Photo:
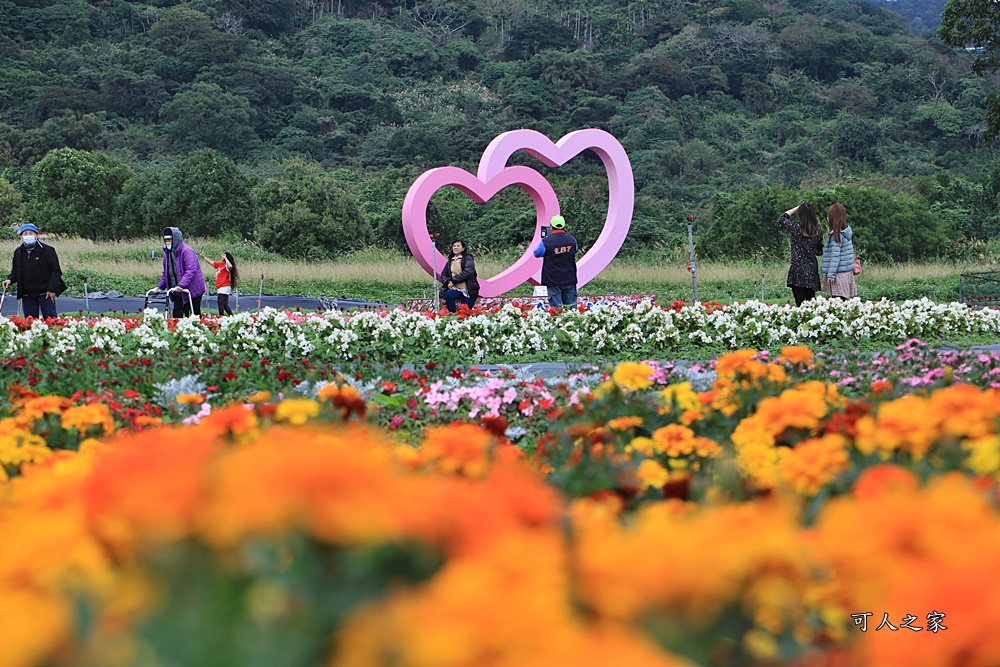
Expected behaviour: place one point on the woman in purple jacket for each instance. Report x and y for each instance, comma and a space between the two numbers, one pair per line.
181, 270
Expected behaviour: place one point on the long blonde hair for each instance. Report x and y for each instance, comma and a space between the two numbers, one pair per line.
837, 217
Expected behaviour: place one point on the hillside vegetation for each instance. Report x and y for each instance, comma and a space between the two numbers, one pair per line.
299, 124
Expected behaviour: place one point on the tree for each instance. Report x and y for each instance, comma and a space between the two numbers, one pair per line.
208, 116
976, 24
973, 23
205, 195
75, 192
307, 215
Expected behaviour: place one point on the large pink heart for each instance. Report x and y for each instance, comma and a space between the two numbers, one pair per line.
481, 190
621, 186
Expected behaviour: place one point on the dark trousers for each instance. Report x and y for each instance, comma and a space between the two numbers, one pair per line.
802, 294
453, 296
183, 309
224, 308
32, 304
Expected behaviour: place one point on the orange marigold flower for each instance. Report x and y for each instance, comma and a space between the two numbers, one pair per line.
458, 448
884, 478
36, 408
903, 424
259, 397
739, 362
674, 440
796, 354
964, 411
190, 399
296, 410
814, 463
344, 397
633, 376
625, 423
705, 448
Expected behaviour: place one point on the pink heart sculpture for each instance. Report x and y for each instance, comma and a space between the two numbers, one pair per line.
621, 185
480, 190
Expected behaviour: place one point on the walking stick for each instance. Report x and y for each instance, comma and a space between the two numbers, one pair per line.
2, 297
692, 266
260, 295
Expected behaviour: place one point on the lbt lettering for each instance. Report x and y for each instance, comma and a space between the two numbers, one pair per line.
561, 249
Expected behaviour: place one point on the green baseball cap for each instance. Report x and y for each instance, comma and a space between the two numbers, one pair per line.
558, 222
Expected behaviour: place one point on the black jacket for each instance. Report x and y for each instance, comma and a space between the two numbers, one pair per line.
36, 272
467, 276
559, 260
804, 270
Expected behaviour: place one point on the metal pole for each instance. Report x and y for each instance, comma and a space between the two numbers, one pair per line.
694, 268
86, 295
260, 294
434, 282
762, 287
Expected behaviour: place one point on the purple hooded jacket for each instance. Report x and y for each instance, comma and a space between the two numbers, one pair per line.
189, 275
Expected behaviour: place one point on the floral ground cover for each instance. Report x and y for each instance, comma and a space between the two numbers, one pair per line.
506, 334
764, 518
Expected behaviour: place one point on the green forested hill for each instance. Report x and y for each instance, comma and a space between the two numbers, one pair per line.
924, 15
266, 116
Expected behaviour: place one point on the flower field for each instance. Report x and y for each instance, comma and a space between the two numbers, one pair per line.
169, 499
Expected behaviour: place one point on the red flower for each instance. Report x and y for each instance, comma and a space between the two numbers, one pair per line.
388, 388
285, 375
229, 376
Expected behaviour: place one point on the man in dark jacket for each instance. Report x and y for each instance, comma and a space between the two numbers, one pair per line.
37, 274
558, 253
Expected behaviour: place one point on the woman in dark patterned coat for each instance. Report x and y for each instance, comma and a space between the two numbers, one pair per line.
807, 243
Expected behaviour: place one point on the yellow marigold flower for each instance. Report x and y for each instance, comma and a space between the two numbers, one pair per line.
984, 455
652, 474
22, 448
263, 397
190, 399
296, 410
643, 445
759, 463
83, 417
681, 395
812, 464
603, 389
796, 354
633, 376
752, 432
674, 440
761, 645
625, 423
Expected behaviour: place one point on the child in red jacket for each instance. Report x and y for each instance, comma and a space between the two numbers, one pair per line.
226, 275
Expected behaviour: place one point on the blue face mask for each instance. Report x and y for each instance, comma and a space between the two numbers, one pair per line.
29, 240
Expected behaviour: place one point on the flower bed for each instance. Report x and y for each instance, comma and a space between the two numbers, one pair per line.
505, 334
766, 518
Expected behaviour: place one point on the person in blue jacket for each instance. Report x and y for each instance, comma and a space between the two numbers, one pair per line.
558, 253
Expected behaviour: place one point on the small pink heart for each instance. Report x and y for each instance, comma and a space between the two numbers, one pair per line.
621, 185
481, 190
